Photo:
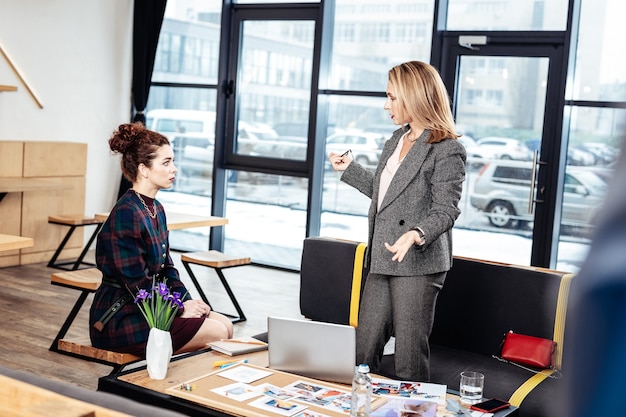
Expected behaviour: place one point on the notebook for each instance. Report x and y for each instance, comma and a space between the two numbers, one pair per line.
313, 349
239, 346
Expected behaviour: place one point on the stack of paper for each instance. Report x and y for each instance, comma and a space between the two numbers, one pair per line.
234, 347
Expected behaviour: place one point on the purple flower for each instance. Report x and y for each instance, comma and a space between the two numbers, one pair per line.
158, 306
162, 289
142, 295
176, 300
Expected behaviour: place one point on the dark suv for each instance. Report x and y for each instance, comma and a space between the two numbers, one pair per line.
502, 191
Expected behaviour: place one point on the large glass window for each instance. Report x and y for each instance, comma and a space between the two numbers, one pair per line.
182, 106
507, 15
267, 217
595, 136
368, 39
272, 73
595, 121
500, 112
273, 131
275, 1
359, 124
273, 88
599, 73
191, 133
188, 49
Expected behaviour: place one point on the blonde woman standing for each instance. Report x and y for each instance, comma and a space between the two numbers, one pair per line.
415, 192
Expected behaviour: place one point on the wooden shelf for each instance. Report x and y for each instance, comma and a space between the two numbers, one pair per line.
8, 88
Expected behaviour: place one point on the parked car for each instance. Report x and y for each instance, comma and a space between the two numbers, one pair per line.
471, 147
579, 157
605, 172
385, 129
604, 154
176, 122
575, 155
292, 129
502, 191
503, 148
250, 134
366, 147
192, 135
474, 157
255, 131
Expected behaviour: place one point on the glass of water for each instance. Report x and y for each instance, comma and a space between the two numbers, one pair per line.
471, 387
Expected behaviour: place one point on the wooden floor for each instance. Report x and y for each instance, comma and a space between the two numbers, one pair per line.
32, 311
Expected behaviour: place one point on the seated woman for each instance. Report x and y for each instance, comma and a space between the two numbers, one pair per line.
133, 247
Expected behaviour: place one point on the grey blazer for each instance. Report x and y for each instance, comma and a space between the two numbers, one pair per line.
424, 193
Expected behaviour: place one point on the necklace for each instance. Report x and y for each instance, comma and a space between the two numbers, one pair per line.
417, 136
152, 215
408, 139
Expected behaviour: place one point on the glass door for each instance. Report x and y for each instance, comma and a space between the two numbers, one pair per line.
502, 96
268, 132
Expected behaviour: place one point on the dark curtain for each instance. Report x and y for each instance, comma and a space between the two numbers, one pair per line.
147, 20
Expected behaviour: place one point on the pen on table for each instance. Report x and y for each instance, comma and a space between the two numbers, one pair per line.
226, 365
250, 342
220, 363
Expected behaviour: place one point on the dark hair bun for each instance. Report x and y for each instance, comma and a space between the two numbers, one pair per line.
126, 135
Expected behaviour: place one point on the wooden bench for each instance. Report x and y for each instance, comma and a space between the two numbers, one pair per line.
81, 348
86, 281
217, 261
73, 221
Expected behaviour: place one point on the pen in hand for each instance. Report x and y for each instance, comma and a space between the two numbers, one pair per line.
345, 153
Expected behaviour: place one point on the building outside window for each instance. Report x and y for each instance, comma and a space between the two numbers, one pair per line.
268, 213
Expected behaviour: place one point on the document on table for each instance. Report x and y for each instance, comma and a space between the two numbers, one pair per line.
245, 374
237, 391
406, 389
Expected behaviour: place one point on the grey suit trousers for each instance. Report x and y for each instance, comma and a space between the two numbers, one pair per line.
403, 307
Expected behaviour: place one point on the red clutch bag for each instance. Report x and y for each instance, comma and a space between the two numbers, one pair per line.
528, 350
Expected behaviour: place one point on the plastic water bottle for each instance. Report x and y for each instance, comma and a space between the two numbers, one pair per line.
361, 392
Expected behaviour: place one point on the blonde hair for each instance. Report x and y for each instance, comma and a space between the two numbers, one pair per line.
424, 99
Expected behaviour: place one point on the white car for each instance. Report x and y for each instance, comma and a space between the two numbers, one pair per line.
493, 147
177, 122
474, 157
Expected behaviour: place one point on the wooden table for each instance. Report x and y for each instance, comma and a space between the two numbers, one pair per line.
25, 400
136, 384
11, 242
19, 184
167, 393
178, 221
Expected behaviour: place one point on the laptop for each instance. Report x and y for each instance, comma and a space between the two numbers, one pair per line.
314, 349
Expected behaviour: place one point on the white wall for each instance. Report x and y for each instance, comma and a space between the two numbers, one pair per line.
76, 57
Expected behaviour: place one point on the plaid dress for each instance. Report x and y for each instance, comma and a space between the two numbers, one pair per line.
131, 248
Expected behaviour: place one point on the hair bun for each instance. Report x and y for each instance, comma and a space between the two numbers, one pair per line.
125, 136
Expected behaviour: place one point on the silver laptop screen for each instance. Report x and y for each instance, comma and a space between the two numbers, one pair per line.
314, 349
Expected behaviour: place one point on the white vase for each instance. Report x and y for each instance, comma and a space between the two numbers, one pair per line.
158, 353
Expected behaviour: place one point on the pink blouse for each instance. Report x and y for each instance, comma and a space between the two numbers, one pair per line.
393, 163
